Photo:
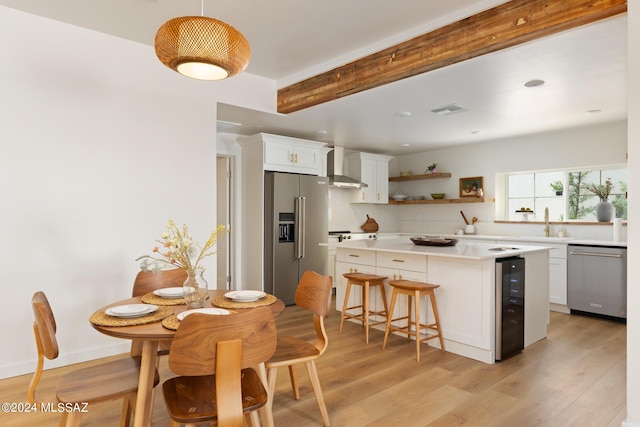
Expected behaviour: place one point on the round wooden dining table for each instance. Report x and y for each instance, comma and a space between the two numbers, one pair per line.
150, 335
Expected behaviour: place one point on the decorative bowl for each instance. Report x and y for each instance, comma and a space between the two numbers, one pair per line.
433, 241
438, 195
405, 173
398, 196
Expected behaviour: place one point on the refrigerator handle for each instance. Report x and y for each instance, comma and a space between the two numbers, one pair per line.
300, 204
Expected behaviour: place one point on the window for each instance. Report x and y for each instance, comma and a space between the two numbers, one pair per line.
564, 194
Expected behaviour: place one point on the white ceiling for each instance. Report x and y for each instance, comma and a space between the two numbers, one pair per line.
584, 69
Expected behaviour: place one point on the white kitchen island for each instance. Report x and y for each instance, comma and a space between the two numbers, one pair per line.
466, 298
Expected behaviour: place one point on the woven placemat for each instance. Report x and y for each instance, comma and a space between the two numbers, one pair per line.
171, 322
101, 318
151, 298
225, 302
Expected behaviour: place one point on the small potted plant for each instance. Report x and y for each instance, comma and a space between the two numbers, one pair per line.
557, 187
432, 168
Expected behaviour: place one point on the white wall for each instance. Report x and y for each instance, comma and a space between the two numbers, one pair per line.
633, 273
101, 145
347, 216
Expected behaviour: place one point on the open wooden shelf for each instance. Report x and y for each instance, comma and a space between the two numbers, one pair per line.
443, 201
420, 177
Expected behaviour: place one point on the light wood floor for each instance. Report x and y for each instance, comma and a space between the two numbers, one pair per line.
574, 377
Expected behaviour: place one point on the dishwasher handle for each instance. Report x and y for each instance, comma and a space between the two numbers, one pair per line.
599, 254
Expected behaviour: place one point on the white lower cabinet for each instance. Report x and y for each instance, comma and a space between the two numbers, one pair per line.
400, 266
558, 281
353, 261
401, 307
331, 261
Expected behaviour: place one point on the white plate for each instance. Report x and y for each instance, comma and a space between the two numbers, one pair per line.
213, 311
170, 292
245, 296
131, 310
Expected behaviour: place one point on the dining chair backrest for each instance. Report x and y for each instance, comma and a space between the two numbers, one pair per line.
44, 326
196, 342
148, 281
314, 294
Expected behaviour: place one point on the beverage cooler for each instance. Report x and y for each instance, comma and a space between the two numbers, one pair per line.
509, 307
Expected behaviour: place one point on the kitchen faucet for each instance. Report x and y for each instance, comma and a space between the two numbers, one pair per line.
546, 222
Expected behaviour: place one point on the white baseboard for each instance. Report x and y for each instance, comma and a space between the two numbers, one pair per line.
27, 367
559, 308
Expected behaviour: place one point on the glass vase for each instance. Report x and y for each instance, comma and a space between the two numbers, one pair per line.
195, 288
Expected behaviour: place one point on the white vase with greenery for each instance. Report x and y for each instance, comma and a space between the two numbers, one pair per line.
604, 209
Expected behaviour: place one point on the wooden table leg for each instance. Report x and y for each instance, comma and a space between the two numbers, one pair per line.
142, 416
267, 410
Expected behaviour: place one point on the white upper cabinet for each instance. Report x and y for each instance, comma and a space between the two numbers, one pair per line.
285, 154
373, 170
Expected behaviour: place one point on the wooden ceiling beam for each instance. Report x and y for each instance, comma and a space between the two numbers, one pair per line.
503, 26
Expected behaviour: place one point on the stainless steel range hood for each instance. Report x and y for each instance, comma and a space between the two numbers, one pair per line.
335, 170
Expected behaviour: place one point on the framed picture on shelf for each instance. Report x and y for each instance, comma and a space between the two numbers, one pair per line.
471, 187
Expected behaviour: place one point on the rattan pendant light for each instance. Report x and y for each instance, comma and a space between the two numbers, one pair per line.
202, 48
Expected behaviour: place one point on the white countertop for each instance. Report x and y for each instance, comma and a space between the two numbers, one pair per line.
532, 239
464, 249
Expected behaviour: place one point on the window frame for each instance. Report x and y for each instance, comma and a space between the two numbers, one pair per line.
539, 196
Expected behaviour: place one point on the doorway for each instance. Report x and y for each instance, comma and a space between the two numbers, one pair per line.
224, 215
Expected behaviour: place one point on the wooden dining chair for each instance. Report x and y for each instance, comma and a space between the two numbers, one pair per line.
313, 294
214, 356
148, 281
113, 380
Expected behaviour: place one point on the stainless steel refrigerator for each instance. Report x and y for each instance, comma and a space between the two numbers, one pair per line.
296, 221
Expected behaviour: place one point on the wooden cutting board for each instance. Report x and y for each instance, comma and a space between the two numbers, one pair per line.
370, 226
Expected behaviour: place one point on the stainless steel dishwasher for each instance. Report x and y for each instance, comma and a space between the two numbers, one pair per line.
597, 280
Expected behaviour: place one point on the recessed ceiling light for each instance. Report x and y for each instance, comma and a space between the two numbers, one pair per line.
405, 145
403, 113
322, 132
596, 111
534, 83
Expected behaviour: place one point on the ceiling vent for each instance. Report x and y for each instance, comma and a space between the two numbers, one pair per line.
448, 110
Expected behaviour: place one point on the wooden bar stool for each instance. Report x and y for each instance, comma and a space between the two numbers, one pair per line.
366, 281
413, 290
